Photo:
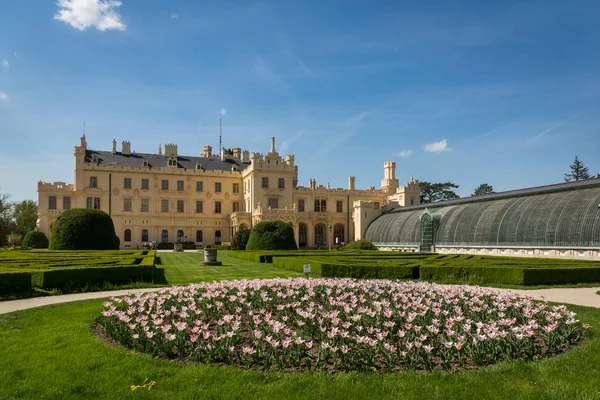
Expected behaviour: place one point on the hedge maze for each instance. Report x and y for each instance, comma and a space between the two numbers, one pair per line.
22, 271
473, 269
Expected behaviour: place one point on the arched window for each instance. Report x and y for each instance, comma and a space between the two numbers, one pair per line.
164, 236
180, 236
144, 235
218, 237
338, 234
127, 235
302, 235
199, 237
320, 235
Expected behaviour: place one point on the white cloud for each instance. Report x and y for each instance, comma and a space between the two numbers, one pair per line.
3, 96
405, 153
84, 14
5, 63
437, 147
222, 111
174, 16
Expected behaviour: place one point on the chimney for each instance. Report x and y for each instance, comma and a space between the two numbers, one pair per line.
222, 153
126, 149
245, 156
114, 148
272, 144
159, 149
237, 153
351, 182
207, 151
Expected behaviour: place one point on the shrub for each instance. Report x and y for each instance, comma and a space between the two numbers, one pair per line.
166, 246
83, 229
360, 245
35, 240
13, 282
272, 235
240, 239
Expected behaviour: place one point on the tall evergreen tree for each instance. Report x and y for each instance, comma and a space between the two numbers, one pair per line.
483, 189
578, 171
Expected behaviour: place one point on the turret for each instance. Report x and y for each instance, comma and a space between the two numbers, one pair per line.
126, 147
389, 182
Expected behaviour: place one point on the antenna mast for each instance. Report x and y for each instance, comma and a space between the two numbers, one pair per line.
220, 133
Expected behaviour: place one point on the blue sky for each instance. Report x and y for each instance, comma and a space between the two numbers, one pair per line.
503, 92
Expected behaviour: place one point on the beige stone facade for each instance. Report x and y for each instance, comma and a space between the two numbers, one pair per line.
166, 197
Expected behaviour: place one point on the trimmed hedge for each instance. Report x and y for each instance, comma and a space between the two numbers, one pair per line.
359, 245
35, 240
14, 282
451, 268
80, 277
272, 235
83, 229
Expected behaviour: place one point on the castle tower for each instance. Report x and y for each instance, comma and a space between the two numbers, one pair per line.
389, 182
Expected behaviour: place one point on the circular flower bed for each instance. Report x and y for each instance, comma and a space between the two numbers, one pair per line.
339, 324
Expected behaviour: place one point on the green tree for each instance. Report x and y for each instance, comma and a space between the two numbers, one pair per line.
83, 229
578, 171
25, 216
5, 218
272, 235
432, 192
240, 239
483, 189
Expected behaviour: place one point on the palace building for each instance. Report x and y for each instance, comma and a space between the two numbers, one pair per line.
205, 199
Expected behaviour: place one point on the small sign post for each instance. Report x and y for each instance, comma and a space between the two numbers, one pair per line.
307, 270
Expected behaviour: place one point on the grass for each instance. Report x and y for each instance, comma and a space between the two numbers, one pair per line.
49, 353
185, 268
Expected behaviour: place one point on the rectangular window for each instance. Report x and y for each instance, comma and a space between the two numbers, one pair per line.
301, 205
179, 206
180, 186
126, 204
199, 187
236, 188
127, 183
145, 205
281, 183
199, 206
265, 182
66, 203
218, 187
145, 184
217, 207
236, 206
273, 203
376, 205
164, 205
339, 206
93, 181
164, 185
96, 203
52, 203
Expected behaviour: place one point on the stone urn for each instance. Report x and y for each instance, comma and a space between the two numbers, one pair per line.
210, 257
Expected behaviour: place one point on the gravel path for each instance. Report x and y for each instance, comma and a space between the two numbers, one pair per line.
579, 296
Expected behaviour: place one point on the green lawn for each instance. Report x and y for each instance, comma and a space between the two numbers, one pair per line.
184, 268
49, 353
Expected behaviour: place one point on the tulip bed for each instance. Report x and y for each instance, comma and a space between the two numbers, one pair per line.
339, 325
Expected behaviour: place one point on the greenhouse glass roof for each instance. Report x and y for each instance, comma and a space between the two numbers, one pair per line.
566, 214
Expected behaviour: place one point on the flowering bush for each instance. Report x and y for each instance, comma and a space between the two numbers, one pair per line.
339, 324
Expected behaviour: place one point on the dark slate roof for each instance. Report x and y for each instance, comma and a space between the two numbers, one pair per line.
558, 187
158, 161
